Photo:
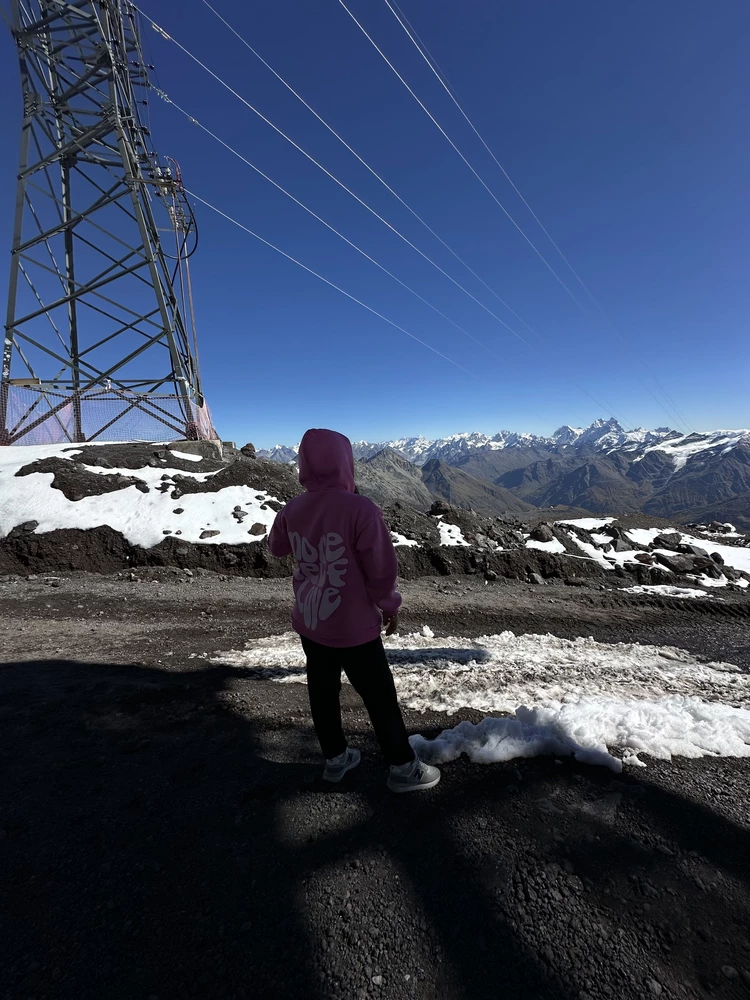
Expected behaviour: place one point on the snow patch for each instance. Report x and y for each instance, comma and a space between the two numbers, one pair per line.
563, 696
589, 523
554, 545
664, 590
451, 534
186, 456
398, 539
142, 518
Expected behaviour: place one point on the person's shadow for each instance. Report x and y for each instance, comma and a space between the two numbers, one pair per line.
165, 834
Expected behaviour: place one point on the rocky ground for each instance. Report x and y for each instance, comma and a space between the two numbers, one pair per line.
164, 833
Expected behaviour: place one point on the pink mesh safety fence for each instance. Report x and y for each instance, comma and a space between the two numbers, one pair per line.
41, 416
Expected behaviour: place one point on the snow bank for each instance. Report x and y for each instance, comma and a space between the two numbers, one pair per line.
142, 518
589, 523
451, 534
403, 540
555, 545
563, 696
665, 590
679, 726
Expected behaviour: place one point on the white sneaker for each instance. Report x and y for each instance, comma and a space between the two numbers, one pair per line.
336, 767
412, 777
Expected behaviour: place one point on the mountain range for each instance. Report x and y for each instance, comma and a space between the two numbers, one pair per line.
602, 468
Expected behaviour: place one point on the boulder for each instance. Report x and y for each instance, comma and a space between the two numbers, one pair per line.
718, 558
257, 529
659, 575
537, 578
440, 507
543, 533
671, 541
248, 450
675, 561
692, 550
621, 545
644, 557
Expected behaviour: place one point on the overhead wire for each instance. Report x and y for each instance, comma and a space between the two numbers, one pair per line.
427, 56
354, 298
328, 282
310, 211
365, 164
160, 30
328, 173
440, 128
265, 176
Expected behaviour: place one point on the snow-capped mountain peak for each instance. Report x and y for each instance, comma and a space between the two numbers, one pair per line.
602, 436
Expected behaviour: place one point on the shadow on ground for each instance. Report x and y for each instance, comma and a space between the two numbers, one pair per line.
163, 835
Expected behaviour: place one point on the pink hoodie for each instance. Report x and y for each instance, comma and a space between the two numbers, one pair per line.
346, 564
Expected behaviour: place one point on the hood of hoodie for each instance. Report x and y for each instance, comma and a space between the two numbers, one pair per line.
326, 461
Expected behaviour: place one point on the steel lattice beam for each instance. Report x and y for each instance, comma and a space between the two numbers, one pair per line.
92, 304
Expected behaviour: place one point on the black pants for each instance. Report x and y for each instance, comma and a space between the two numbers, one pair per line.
370, 676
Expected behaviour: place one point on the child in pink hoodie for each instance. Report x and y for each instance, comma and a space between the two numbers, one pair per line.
344, 593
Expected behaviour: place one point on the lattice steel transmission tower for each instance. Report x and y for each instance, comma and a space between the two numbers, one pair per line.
100, 336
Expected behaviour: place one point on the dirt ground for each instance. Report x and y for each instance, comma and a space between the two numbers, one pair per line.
164, 832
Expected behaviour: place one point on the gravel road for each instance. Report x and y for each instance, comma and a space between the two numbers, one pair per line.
164, 833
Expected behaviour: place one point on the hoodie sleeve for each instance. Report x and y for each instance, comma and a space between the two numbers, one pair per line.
278, 538
379, 564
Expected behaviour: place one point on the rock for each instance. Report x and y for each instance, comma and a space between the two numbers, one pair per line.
248, 450
257, 529
644, 557
537, 579
440, 507
692, 550
28, 526
179, 510
675, 561
658, 574
231, 559
620, 545
543, 533
490, 575
176, 493
167, 531
718, 558
729, 971
188, 572
377, 980
671, 540
209, 534
654, 988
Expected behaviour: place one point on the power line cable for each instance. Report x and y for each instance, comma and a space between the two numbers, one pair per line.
187, 52
365, 164
445, 83
327, 172
440, 128
341, 236
375, 312
239, 155
330, 283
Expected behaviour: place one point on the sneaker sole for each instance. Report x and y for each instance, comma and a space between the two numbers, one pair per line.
335, 779
401, 789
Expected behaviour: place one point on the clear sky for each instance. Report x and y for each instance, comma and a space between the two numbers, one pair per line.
623, 125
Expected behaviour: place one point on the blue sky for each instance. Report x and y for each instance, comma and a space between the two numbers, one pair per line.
621, 124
